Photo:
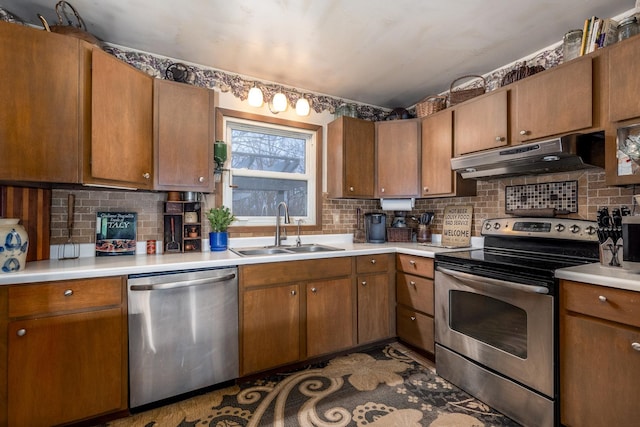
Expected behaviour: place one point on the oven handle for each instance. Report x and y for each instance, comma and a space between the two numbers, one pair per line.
183, 284
472, 279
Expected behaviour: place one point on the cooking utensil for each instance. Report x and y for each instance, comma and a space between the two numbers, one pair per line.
358, 234
173, 246
69, 250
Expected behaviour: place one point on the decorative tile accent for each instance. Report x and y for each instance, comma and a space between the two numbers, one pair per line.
563, 196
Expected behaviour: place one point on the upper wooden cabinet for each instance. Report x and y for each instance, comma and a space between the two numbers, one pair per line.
350, 158
555, 101
183, 132
481, 123
41, 105
624, 82
398, 158
120, 150
437, 146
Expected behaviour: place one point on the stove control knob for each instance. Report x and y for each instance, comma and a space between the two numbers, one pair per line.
487, 226
591, 230
496, 225
575, 228
559, 228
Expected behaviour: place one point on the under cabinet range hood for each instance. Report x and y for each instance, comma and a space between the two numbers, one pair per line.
562, 154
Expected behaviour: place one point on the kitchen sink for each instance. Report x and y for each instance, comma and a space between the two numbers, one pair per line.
281, 250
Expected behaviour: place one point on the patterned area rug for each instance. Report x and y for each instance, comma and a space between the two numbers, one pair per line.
380, 387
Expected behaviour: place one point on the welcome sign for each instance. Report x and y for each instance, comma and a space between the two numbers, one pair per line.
456, 228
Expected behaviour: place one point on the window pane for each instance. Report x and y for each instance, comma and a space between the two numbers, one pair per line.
259, 197
267, 152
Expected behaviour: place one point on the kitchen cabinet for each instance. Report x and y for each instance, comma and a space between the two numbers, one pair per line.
65, 338
437, 146
555, 101
599, 355
119, 152
350, 158
624, 83
183, 137
376, 297
481, 123
397, 158
280, 325
414, 282
40, 109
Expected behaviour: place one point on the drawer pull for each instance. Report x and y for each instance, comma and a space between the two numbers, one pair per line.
412, 262
373, 261
314, 290
293, 293
68, 292
21, 332
413, 317
635, 346
364, 283
602, 298
412, 283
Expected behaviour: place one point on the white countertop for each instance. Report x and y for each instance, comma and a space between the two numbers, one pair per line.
91, 267
598, 274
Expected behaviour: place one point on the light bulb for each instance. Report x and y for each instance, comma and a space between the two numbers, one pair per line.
255, 97
302, 107
279, 102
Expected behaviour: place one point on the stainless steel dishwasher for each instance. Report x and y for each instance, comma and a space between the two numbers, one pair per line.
183, 332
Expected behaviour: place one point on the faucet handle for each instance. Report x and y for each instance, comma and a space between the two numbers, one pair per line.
299, 221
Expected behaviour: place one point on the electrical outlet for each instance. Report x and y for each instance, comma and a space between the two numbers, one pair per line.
336, 218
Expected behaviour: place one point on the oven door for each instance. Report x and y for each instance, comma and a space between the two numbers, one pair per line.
504, 326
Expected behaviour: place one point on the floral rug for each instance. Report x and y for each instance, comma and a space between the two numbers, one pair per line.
380, 387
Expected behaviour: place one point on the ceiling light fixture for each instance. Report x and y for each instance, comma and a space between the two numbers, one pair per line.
279, 102
256, 99
302, 107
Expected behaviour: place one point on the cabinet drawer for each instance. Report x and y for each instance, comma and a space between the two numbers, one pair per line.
372, 263
617, 305
420, 266
415, 328
415, 292
43, 298
293, 271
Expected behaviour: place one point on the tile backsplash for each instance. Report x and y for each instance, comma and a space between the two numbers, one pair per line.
494, 198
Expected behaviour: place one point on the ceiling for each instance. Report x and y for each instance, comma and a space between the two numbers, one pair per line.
379, 52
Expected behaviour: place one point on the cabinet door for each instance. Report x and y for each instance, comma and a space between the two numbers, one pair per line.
624, 82
66, 368
599, 373
350, 158
270, 328
373, 307
329, 316
40, 108
183, 137
555, 101
398, 158
481, 124
121, 124
437, 176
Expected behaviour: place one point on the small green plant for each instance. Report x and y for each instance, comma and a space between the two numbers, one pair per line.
220, 218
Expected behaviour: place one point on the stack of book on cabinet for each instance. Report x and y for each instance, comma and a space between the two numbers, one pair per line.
598, 33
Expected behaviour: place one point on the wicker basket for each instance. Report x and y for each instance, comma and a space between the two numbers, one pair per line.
519, 73
431, 104
461, 95
399, 234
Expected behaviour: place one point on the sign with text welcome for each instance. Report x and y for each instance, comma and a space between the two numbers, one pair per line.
456, 227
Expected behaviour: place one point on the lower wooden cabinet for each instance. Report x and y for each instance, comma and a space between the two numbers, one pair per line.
414, 290
329, 316
376, 299
599, 355
67, 351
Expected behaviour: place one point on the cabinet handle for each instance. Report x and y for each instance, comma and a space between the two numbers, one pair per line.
635, 346
524, 132
413, 318
499, 138
412, 262
201, 179
602, 298
350, 188
364, 283
373, 261
68, 292
21, 332
412, 283
382, 190
314, 290
146, 175
293, 293
425, 189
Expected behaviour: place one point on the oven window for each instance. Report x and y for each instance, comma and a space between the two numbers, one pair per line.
489, 320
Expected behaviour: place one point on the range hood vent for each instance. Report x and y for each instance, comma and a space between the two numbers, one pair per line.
566, 153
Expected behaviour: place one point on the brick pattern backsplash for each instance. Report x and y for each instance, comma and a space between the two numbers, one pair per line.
338, 216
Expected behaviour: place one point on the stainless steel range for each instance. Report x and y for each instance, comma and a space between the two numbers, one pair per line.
496, 313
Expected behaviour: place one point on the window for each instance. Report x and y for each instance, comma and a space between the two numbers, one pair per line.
270, 161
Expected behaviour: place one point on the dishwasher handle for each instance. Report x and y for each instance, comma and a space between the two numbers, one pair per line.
182, 284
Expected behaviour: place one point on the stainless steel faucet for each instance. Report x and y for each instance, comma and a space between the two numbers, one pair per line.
286, 220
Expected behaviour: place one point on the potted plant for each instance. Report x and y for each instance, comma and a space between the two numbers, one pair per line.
220, 219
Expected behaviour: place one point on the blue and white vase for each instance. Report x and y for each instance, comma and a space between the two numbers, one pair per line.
14, 243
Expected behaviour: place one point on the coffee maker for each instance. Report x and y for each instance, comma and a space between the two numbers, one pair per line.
375, 227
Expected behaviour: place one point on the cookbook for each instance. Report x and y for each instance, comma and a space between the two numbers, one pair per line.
116, 233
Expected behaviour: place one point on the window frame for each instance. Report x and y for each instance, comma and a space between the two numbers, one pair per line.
220, 131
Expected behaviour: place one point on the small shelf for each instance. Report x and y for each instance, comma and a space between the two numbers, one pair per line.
187, 217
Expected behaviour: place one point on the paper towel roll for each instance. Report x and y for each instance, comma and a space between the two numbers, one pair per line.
396, 204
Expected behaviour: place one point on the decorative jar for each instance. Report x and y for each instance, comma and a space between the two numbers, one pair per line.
14, 243
628, 27
572, 42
